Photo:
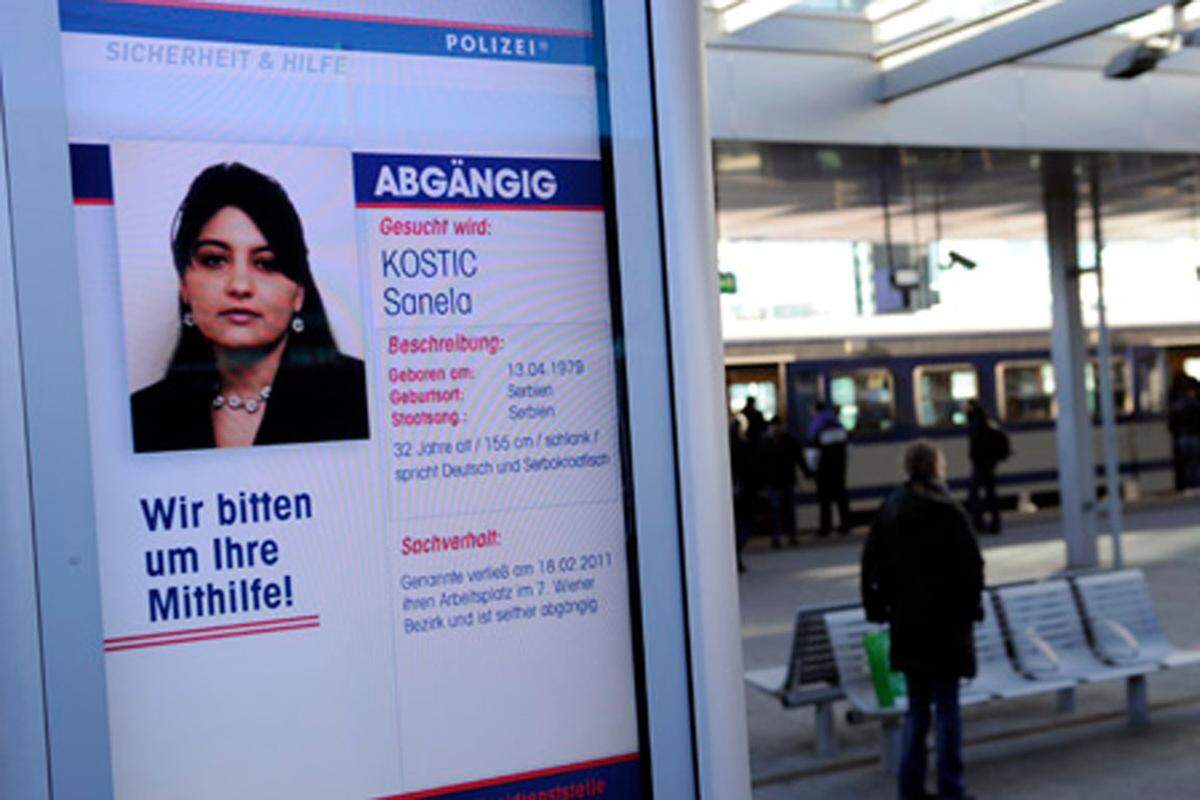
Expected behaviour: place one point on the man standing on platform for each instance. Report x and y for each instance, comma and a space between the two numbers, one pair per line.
781, 454
922, 574
828, 440
988, 447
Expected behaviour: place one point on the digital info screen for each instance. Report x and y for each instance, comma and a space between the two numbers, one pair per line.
353, 399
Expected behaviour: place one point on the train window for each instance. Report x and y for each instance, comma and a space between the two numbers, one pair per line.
1151, 383
1027, 391
942, 394
1122, 398
865, 398
763, 393
1191, 367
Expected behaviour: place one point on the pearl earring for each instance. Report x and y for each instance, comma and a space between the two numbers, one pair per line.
297, 324
188, 319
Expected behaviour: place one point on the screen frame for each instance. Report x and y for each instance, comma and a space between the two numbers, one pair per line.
63, 557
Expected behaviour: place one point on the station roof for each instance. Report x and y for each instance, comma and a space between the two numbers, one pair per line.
918, 44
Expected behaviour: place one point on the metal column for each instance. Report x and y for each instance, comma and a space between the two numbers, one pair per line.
1068, 344
1104, 383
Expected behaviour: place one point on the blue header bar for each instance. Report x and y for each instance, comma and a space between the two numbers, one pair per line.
336, 30
424, 181
91, 174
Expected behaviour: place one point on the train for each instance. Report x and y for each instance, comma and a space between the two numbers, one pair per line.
892, 389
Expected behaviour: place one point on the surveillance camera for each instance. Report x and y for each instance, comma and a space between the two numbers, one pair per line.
1133, 61
961, 260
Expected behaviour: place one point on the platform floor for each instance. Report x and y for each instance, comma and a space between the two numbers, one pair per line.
1015, 749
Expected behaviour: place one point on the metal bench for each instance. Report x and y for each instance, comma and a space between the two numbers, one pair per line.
1123, 622
1049, 642
846, 630
995, 674
810, 677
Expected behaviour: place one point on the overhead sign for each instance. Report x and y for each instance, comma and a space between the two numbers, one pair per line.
356, 429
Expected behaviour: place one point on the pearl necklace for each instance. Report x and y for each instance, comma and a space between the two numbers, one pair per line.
250, 405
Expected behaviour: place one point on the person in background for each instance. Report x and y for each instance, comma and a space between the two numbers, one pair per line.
756, 423
1184, 422
828, 439
781, 454
988, 446
922, 574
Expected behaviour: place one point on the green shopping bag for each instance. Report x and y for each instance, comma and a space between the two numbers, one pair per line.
888, 684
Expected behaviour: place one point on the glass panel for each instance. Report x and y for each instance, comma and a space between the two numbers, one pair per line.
942, 395
1028, 392
864, 399
425, 424
913, 22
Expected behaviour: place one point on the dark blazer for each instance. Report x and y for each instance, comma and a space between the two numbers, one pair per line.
922, 572
319, 402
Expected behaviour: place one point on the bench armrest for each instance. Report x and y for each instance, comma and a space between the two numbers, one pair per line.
1128, 648
1049, 662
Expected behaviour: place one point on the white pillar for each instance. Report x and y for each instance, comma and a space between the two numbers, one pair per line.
689, 235
1068, 345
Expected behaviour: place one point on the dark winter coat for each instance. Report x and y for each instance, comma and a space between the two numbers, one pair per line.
922, 573
780, 455
988, 445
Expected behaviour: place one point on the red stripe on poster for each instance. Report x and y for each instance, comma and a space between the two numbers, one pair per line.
349, 16
209, 637
476, 207
211, 629
520, 776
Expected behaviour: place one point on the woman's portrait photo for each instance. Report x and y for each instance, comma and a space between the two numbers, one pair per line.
254, 359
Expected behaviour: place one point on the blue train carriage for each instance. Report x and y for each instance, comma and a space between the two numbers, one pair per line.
892, 392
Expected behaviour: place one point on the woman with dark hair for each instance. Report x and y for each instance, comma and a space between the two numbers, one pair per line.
256, 361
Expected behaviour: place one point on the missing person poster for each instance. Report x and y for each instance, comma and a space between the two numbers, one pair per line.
353, 398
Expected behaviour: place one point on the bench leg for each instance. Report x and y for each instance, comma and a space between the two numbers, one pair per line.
1066, 701
889, 729
1137, 700
826, 735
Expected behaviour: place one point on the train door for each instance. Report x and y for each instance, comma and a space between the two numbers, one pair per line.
806, 386
758, 381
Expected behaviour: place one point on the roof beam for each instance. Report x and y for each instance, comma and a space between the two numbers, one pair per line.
1041, 28
748, 12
